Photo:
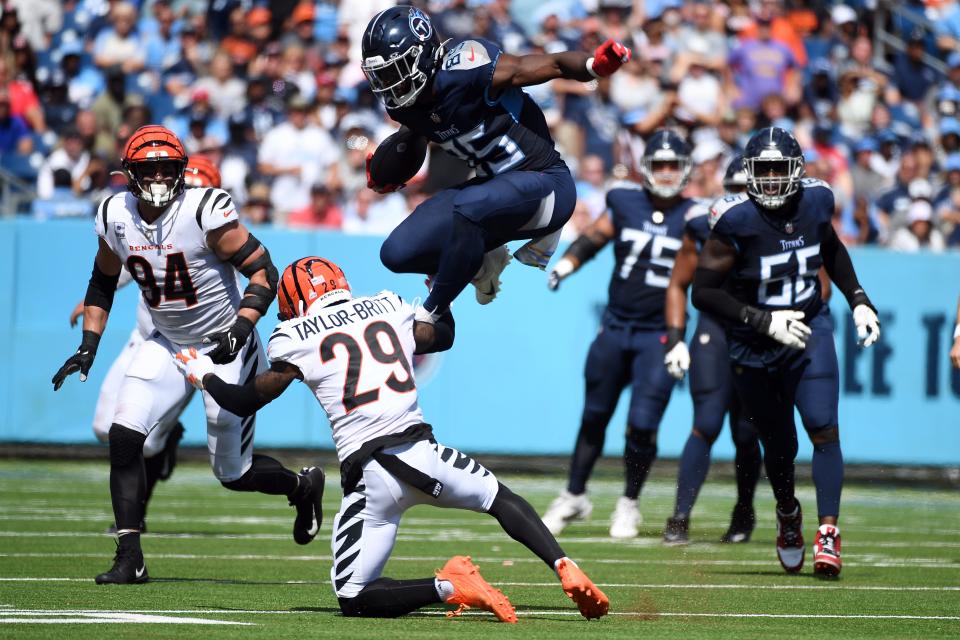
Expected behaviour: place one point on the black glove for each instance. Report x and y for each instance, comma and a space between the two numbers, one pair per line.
81, 361
230, 342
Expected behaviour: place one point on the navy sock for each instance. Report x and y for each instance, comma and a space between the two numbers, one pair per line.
828, 477
638, 457
585, 453
459, 263
694, 463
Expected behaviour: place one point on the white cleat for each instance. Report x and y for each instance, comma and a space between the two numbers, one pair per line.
626, 519
566, 508
487, 280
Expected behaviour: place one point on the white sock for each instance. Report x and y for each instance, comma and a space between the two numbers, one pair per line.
556, 565
444, 588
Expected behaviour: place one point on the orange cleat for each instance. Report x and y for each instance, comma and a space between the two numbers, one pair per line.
471, 590
592, 602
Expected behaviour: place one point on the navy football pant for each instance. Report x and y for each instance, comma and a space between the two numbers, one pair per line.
809, 381
622, 355
711, 387
448, 234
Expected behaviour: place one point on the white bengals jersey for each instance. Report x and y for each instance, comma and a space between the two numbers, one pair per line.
357, 359
189, 291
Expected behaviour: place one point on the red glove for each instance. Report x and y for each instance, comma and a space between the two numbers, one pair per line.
609, 57
388, 188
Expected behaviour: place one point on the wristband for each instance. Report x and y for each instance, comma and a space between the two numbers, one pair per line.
590, 68
563, 268
89, 342
675, 336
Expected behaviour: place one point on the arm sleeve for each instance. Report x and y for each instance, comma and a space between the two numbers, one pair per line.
241, 400
709, 296
839, 266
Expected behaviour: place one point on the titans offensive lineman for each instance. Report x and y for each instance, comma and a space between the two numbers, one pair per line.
758, 272
355, 355
183, 247
646, 226
466, 96
710, 387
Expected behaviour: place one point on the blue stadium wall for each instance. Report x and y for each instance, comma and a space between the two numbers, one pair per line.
513, 382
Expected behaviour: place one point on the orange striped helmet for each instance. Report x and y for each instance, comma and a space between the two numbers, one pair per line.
201, 172
154, 159
311, 280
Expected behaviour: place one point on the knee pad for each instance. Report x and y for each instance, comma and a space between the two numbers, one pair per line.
126, 445
642, 439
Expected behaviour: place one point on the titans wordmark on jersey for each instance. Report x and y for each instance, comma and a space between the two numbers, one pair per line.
356, 358
645, 246
491, 133
189, 291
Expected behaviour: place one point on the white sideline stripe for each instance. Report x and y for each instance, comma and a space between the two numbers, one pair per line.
17, 616
520, 613
609, 585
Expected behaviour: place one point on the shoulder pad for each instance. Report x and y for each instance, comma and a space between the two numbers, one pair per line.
721, 205
624, 184
700, 207
469, 54
809, 183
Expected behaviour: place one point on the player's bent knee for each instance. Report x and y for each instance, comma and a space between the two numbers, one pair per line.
392, 255
126, 445
642, 439
243, 483
704, 435
350, 607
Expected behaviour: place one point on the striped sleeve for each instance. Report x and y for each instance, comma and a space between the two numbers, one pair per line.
215, 209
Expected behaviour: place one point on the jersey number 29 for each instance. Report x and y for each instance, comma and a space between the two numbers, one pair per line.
352, 397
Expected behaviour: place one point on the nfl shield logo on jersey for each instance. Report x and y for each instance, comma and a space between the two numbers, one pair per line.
120, 230
420, 25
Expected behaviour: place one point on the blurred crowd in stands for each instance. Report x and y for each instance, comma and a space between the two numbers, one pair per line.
273, 92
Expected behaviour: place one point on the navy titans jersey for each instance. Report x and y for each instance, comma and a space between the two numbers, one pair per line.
493, 134
698, 226
777, 258
645, 246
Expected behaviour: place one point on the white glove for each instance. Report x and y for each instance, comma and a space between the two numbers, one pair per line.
868, 325
422, 315
194, 366
787, 327
677, 360
561, 270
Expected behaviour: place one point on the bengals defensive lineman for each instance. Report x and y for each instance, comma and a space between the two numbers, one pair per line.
183, 248
354, 354
160, 448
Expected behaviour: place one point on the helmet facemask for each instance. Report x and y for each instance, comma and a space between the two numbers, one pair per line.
155, 191
399, 81
771, 181
665, 173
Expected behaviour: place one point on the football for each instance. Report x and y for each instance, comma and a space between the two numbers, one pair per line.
398, 158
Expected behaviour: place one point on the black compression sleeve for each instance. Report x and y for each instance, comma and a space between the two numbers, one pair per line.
101, 289
583, 249
445, 329
709, 296
839, 266
241, 400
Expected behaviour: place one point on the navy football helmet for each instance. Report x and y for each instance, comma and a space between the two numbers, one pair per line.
735, 178
401, 52
774, 164
665, 164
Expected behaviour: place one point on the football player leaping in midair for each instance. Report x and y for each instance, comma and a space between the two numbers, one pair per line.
467, 97
183, 248
160, 448
355, 355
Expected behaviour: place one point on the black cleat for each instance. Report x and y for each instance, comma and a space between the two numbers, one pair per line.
128, 568
309, 506
742, 522
112, 529
677, 531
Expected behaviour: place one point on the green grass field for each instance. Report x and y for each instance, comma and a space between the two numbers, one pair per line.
223, 565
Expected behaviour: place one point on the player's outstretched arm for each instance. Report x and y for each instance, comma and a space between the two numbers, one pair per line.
523, 71
242, 400
594, 238
96, 310
839, 266
677, 357
233, 243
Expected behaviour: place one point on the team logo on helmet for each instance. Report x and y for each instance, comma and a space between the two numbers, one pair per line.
420, 25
